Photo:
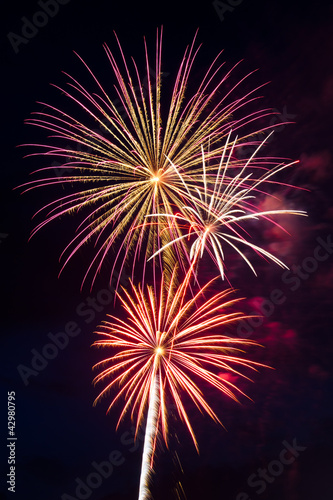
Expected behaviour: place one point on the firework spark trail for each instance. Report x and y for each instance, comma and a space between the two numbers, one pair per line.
219, 206
150, 436
119, 176
161, 351
146, 165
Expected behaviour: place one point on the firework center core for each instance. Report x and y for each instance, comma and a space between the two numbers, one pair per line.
159, 351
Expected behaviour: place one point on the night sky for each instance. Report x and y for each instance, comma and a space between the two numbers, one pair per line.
63, 442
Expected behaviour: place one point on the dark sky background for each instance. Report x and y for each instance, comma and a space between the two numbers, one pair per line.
60, 437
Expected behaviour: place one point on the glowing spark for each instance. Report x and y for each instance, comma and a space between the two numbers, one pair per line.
115, 164
150, 435
135, 166
194, 348
218, 208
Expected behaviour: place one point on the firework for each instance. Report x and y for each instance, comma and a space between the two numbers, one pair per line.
219, 206
161, 352
121, 171
154, 175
